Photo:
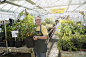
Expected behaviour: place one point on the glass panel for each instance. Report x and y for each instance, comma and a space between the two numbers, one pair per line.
74, 1
30, 6
82, 8
1, 5
71, 8
19, 9
13, 8
21, 2
8, 6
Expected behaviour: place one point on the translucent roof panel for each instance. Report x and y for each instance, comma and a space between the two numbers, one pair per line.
82, 8
72, 7
30, 6
57, 2
21, 2
8, 6
14, 8
1, 5
75, 1
46, 3
20, 9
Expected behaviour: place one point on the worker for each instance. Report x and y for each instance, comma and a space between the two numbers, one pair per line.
40, 41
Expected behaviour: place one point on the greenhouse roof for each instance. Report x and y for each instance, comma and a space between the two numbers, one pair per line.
41, 6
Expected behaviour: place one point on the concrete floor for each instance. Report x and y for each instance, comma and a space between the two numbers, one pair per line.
52, 46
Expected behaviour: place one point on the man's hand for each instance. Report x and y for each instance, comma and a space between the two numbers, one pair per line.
35, 37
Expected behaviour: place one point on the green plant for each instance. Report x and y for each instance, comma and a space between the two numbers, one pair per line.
66, 43
26, 28
49, 21
8, 31
71, 35
43, 23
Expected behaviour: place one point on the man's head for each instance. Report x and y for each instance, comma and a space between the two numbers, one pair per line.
38, 20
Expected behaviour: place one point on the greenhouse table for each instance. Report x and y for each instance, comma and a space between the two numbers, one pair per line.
73, 53
18, 50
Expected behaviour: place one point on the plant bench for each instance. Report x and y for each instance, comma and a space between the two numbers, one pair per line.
73, 53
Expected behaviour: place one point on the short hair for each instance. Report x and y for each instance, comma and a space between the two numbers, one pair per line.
38, 16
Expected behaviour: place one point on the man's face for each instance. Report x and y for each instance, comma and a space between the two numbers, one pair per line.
38, 21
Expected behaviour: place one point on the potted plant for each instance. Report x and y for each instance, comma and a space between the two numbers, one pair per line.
10, 41
18, 42
29, 30
29, 36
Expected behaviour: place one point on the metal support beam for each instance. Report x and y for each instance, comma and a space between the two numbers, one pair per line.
39, 7
69, 5
31, 2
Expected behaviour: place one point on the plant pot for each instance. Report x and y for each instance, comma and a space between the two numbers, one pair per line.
18, 44
2, 44
30, 43
24, 41
11, 43
75, 47
84, 46
64, 49
23, 55
1, 40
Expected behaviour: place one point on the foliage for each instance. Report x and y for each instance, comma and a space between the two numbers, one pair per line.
8, 31
26, 28
71, 35
49, 21
48, 26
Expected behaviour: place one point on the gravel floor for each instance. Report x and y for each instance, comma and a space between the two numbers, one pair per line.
52, 47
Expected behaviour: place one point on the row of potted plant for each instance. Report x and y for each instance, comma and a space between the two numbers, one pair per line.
26, 30
72, 37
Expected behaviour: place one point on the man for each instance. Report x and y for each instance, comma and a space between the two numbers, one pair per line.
40, 41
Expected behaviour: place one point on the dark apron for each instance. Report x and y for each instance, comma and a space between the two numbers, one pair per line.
40, 44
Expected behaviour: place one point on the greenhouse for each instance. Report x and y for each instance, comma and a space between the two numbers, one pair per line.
42, 28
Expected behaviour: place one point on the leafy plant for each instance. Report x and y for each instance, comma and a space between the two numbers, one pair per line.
71, 35
26, 28
8, 31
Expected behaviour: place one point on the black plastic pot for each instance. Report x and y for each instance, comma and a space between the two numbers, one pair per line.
23, 55
1, 40
84, 46
30, 43
75, 46
64, 49
11, 43
2, 44
18, 44
24, 41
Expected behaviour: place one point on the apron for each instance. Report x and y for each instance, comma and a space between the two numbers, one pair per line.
40, 44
